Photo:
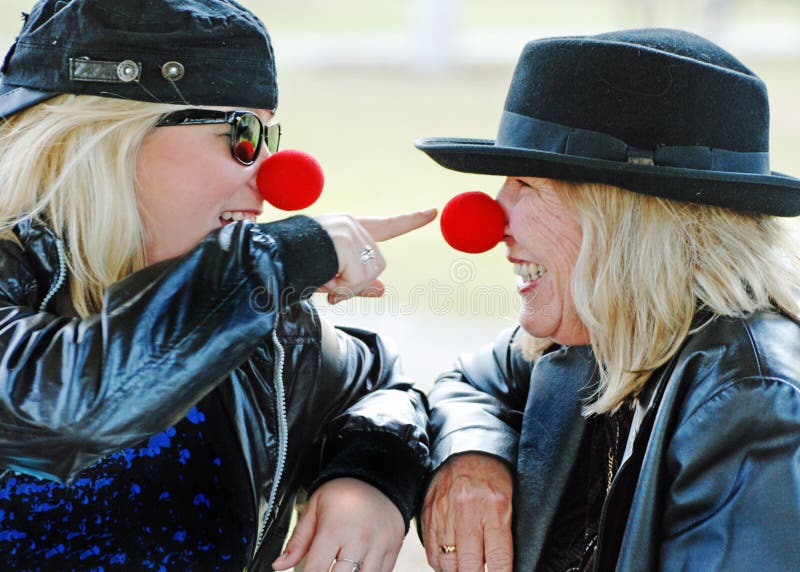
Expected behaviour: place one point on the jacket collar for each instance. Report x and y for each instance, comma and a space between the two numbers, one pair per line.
649, 398
39, 243
44, 253
552, 429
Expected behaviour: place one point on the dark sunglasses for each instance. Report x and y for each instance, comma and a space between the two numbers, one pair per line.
247, 130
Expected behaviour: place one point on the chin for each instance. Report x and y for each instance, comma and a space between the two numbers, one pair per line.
535, 327
159, 254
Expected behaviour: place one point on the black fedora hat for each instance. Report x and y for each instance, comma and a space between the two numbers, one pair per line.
657, 111
193, 52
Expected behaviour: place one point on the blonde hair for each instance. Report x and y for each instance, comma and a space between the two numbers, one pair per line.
647, 264
70, 163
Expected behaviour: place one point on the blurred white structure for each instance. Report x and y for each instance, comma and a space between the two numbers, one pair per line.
434, 36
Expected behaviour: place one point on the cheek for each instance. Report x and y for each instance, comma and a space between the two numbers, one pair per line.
564, 259
160, 165
522, 227
149, 181
552, 241
534, 231
175, 177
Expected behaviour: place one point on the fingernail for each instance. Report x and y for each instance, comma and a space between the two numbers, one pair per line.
283, 556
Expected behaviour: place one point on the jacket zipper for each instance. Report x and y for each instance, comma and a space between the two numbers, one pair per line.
283, 433
60, 277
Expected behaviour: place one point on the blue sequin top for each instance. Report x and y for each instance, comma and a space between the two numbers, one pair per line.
177, 501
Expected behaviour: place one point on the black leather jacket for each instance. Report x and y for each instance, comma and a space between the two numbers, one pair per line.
710, 479
230, 317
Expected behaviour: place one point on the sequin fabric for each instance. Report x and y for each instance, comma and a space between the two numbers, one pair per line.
177, 501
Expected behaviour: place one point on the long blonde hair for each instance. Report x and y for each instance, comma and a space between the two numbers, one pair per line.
646, 265
69, 163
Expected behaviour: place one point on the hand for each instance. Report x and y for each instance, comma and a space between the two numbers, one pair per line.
354, 237
468, 505
345, 518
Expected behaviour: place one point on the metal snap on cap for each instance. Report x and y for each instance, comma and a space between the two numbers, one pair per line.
172, 71
128, 70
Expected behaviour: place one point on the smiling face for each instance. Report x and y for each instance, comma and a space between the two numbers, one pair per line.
188, 184
543, 239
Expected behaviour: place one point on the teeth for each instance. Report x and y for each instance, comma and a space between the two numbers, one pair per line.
529, 272
237, 216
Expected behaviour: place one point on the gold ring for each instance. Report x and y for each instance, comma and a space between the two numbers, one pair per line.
448, 548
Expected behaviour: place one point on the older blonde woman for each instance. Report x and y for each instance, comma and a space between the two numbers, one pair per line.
166, 386
646, 413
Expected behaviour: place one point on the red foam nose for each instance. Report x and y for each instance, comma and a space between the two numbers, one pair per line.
290, 180
245, 150
473, 222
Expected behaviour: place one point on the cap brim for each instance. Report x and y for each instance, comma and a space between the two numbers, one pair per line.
774, 194
14, 98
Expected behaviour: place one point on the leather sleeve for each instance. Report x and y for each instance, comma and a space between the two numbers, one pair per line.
733, 502
74, 390
376, 425
478, 406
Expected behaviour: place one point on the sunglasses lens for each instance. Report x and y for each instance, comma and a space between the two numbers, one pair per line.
273, 136
246, 138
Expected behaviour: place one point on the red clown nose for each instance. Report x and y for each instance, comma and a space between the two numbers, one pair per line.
473, 222
290, 180
245, 150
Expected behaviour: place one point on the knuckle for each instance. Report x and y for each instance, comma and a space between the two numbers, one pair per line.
448, 565
462, 501
314, 562
498, 559
364, 537
499, 501
470, 561
465, 497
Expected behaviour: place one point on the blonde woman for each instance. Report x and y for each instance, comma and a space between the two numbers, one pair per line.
645, 414
166, 387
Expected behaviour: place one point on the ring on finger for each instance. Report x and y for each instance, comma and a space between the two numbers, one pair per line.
356, 563
367, 255
448, 548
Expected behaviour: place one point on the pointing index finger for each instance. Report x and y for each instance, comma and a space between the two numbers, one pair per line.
384, 228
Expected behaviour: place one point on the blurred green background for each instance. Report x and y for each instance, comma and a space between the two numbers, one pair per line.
360, 80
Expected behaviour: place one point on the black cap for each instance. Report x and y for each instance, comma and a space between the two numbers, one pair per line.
193, 52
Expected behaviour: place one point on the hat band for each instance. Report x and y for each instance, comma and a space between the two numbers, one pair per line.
524, 132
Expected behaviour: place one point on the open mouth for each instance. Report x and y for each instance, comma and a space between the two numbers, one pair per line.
528, 273
228, 217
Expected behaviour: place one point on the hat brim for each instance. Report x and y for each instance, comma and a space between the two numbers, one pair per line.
774, 194
15, 98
